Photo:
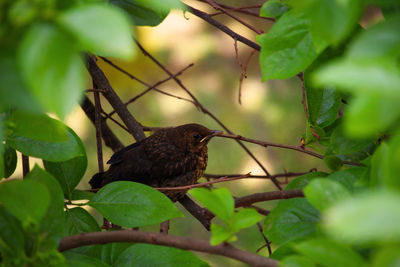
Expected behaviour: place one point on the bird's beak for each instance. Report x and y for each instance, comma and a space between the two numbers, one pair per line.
208, 137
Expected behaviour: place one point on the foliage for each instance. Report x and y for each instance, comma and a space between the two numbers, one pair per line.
351, 77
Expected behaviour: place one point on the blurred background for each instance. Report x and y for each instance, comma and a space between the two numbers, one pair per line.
270, 111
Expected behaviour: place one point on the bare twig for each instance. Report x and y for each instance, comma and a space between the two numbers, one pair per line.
181, 242
97, 122
267, 243
25, 165
266, 196
286, 174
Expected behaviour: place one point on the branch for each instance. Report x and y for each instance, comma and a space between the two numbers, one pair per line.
181, 242
267, 144
222, 27
101, 82
266, 196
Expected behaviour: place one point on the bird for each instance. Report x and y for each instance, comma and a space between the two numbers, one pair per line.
171, 157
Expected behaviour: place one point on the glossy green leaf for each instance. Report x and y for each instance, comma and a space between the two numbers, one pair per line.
81, 194
218, 201
219, 234
369, 217
107, 253
292, 218
343, 144
52, 67
132, 204
332, 20
288, 47
70, 172
273, 8
41, 136
142, 14
100, 29
329, 253
244, 218
9, 161
80, 260
284, 250
323, 193
80, 221
27, 200
388, 256
301, 181
12, 240
296, 261
348, 177
152, 255
54, 220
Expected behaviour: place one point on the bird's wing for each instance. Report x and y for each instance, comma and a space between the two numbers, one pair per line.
118, 156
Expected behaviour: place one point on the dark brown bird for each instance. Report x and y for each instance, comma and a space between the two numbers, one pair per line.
170, 157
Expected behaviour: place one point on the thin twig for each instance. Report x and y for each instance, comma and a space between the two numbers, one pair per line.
303, 93
267, 243
285, 174
267, 196
25, 165
84, 239
97, 122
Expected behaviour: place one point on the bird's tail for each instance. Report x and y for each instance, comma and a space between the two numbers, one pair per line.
96, 180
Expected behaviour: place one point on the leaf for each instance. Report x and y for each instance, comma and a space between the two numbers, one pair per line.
41, 136
301, 181
131, 204
100, 29
69, 173
333, 162
56, 77
52, 226
142, 14
80, 260
80, 221
218, 201
348, 177
244, 218
273, 8
343, 144
107, 253
332, 20
366, 218
329, 253
291, 219
27, 200
287, 48
386, 257
9, 160
12, 240
296, 261
152, 255
219, 234
81, 194
323, 193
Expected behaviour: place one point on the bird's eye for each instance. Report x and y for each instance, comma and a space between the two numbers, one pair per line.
196, 136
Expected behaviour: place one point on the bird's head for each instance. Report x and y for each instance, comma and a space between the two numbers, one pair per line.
193, 137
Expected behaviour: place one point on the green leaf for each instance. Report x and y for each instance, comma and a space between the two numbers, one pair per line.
369, 217
13, 90
348, 177
69, 173
56, 78
296, 261
380, 40
132, 204
219, 234
80, 260
323, 193
80, 221
329, 253
273, 8
292, 218
52, 226
152, 255
81, 194
142, 14
301, 181
366, 76
12, 240
386, 257
288, 47
27, 200
333, 162
101, 29
218, 201
9, 161
244, 218
371, 115
343, 144
332, 20
107, 253
41, 136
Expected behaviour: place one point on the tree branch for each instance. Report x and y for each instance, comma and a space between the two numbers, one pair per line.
181, 242
266, 196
